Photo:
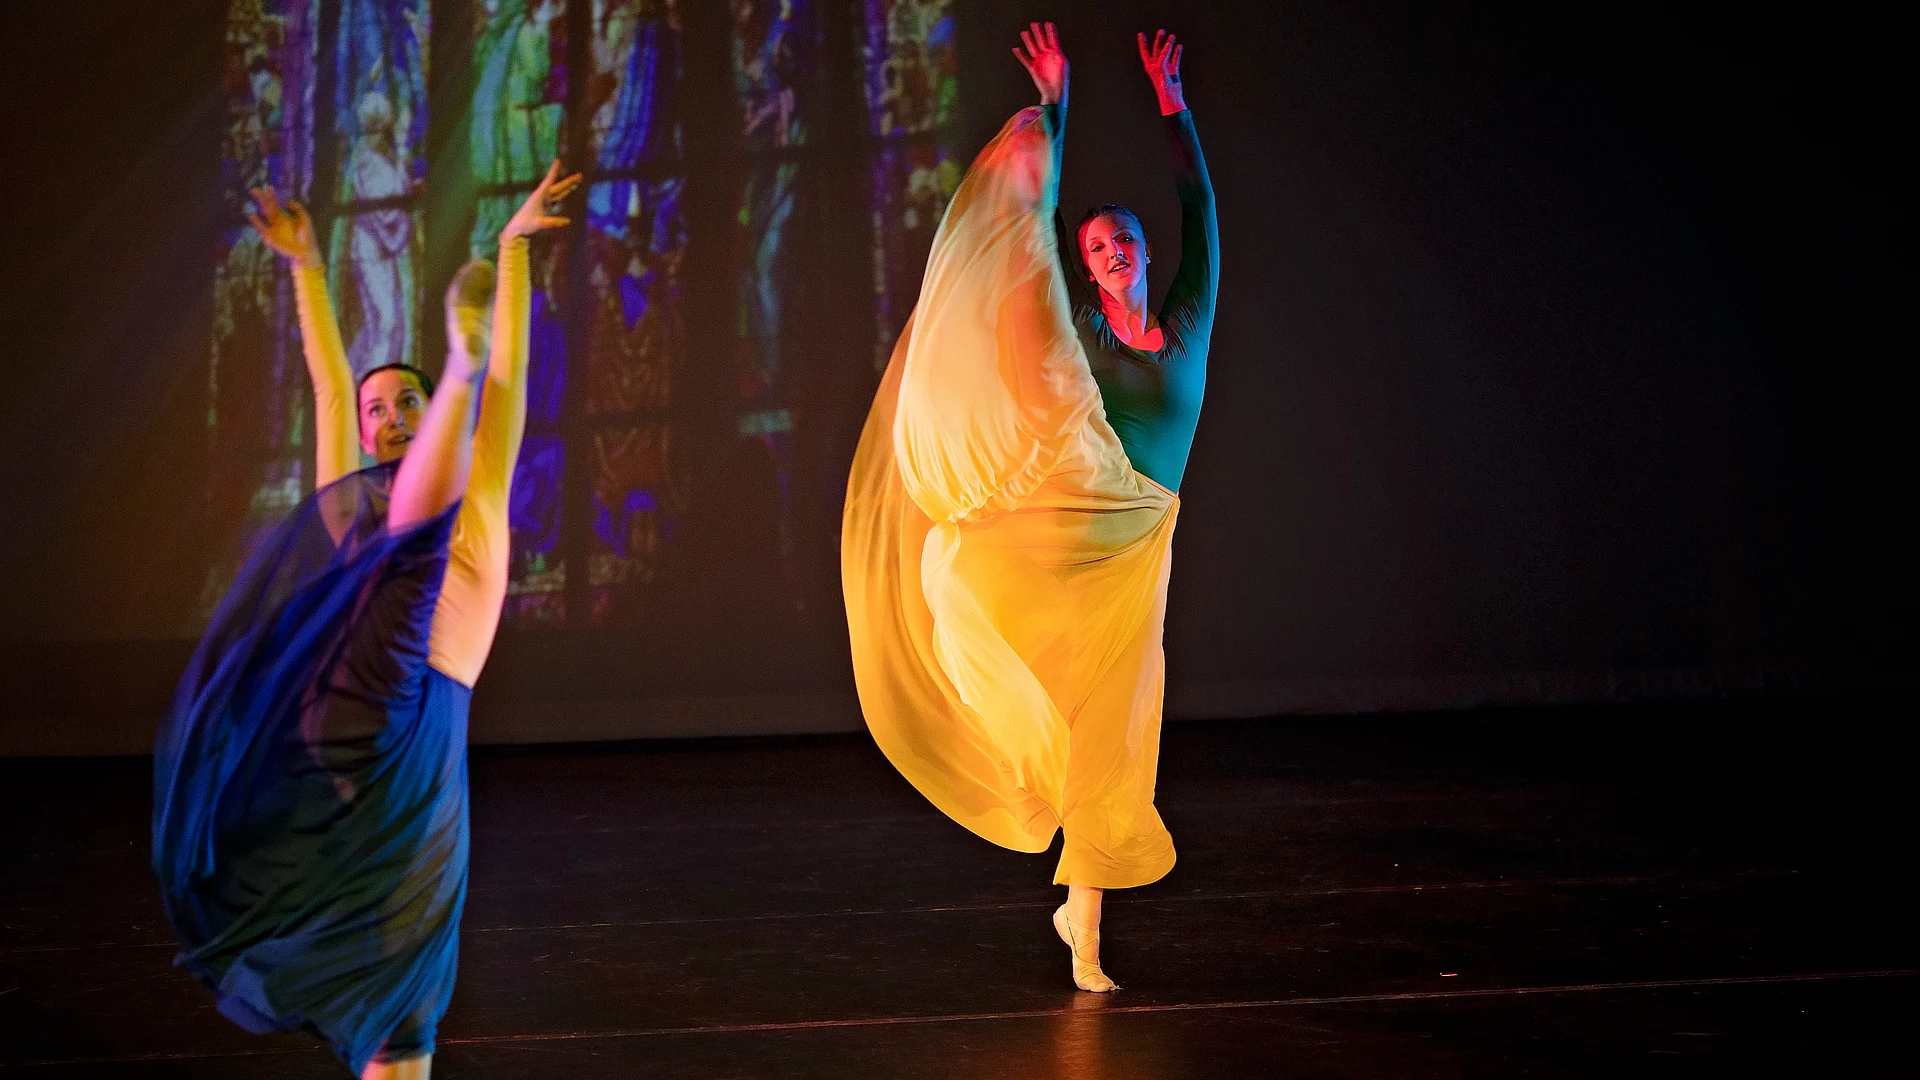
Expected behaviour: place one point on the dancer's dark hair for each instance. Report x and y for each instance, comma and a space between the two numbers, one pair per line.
425, 380
1107, 209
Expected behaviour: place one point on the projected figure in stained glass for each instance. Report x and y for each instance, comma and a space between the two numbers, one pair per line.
518, 123
775, 71
910, 65
912, 95
256, 419
382, 241
537, 588
379, 122
636, 237
634, 267
772, 53
519, 95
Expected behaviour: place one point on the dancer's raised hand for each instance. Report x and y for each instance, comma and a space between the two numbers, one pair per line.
1162, 61
286, 229
541, 210
1045, 62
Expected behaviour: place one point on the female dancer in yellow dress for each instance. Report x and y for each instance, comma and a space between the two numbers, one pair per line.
1010, 513
310, 818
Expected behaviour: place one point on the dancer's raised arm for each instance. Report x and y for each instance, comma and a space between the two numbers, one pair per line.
1045, 62
288, 230
1162, 61
503, 409
1196, 285
456, 456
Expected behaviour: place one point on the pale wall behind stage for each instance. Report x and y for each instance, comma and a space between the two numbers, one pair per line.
1550, 367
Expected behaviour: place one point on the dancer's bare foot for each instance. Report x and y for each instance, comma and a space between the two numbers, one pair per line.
1084, 944
413, 1068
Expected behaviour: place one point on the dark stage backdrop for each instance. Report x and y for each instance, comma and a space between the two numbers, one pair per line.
1555, 359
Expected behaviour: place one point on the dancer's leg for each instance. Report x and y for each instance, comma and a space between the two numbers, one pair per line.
1083, 906
433, 475
1114, 838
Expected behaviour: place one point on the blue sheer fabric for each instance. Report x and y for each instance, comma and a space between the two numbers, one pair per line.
310, 785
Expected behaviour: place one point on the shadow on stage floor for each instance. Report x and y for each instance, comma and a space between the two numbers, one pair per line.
1604, 892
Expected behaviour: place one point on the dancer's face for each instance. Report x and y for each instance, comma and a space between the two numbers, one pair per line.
391, 404
1116, 254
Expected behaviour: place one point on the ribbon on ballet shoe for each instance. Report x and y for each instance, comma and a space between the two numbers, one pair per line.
1080, 943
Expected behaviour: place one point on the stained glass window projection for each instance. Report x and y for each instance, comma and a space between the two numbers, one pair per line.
327, 103
776, 77
518, 123
911, 94
636, 236
378, 136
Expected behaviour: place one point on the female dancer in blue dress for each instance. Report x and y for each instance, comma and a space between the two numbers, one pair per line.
310, 785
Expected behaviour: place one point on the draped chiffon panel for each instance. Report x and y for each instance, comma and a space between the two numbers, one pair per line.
310, 827
1004, 566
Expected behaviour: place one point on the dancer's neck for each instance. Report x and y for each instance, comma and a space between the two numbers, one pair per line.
1128, 315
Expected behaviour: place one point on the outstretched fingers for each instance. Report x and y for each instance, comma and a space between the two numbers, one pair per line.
283, 226
1161, 56
564, 188
553, 189
1039, 39
539, 212
1161, 51
1039, 52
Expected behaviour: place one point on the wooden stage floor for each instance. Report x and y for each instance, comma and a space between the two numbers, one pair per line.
1671, 891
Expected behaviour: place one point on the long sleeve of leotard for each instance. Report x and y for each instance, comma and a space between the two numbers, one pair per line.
1072, 268
476, 583
1196, 285
336, 433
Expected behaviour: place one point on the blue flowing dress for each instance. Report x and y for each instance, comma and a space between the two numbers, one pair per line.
310, 784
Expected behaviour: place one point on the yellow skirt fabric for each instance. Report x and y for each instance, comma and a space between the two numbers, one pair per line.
1005, 568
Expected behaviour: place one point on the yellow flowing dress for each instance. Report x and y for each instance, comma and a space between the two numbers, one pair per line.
1004, 566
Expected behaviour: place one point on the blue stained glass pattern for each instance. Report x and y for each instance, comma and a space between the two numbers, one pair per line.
912, 94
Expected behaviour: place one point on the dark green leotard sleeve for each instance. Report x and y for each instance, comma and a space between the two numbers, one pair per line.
1196, 286
1079, 288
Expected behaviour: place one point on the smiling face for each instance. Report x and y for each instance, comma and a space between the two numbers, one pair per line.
391, 404
1116, 252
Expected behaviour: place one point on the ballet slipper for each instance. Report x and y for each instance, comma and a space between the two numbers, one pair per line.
1083, 943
